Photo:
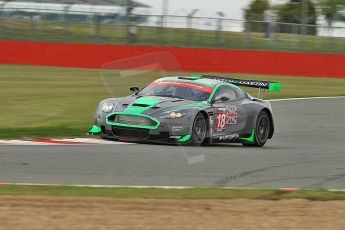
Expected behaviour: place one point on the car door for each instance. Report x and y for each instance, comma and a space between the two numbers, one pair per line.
226, 114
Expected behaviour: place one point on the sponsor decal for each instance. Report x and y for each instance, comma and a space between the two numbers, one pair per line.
231, 115
211, 121
225, 116
229, 137
178, 129
261, 84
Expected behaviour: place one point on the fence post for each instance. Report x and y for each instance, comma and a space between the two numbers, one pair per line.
34, 29
276, 30
128, 14
246, 34
97, 27
160, 30
305, 20
189, 26
218, 32
189, 30
2, 7
131, 27
165, 13
330, 47
65, 19
301, 38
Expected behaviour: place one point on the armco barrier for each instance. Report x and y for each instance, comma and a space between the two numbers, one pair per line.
189, 59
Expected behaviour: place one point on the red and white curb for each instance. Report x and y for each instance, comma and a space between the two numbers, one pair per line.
74, 141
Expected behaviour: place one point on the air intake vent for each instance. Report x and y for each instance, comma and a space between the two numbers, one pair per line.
131, 120
190, 78
141, 105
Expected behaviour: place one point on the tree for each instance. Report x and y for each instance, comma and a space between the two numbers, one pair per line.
292, 13
255, 12
332, 10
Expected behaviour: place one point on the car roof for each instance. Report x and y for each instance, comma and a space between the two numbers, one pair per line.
197, 80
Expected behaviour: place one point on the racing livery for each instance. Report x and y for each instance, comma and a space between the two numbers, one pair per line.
196, 109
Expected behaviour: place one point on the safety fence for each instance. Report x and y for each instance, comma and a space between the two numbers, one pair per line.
186, 31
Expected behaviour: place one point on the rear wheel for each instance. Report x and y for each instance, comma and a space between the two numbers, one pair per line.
199, 130
261, 131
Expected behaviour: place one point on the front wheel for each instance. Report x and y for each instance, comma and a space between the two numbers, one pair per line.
199, 130
261, 131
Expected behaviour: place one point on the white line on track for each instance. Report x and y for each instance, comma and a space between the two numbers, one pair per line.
159, 187
305, 98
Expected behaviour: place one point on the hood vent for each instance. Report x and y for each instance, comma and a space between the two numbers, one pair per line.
141, 105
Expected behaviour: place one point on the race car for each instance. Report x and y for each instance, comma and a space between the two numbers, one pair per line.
196, 110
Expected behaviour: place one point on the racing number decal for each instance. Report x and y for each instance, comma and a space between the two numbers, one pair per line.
225, 116
220, 121
232, 115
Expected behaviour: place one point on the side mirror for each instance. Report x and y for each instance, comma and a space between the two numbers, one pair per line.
134, 89
222, 99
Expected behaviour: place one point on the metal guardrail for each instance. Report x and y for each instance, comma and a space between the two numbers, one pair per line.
86, 27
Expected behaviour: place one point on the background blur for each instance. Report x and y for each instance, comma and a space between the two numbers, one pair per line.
305, 25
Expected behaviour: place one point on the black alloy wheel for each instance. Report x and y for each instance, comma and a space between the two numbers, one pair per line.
262, 130
199, 132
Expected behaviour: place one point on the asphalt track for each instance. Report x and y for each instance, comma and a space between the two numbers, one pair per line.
307, 151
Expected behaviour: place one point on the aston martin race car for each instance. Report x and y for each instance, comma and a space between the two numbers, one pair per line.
195, 110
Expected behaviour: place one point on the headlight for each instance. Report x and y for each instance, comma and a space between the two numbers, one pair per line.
107, 107
173, 115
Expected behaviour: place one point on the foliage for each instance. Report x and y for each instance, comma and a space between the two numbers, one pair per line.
332, 10
292, 13
255, 11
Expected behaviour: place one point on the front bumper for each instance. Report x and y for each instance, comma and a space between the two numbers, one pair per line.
142, 135
166, 130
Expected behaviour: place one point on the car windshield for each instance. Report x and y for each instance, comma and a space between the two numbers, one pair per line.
183, 90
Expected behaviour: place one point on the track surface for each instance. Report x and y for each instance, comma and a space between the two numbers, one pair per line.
307, 151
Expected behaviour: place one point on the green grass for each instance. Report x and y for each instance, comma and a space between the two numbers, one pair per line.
60, 102
116, 34
159, 193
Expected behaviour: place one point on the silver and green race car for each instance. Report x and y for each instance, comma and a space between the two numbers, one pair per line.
196, 110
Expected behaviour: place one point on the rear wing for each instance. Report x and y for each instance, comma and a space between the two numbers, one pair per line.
267, 85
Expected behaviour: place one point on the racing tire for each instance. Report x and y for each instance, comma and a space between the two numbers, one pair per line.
104, 137
199, 131
262, 130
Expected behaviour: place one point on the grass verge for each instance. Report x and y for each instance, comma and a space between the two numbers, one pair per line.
160, 193
38, 101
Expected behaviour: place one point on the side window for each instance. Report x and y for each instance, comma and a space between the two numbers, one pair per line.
241, 94
225, 91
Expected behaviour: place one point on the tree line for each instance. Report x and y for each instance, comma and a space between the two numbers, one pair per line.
294, 13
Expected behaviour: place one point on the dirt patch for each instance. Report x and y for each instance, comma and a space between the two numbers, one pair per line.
107, 213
